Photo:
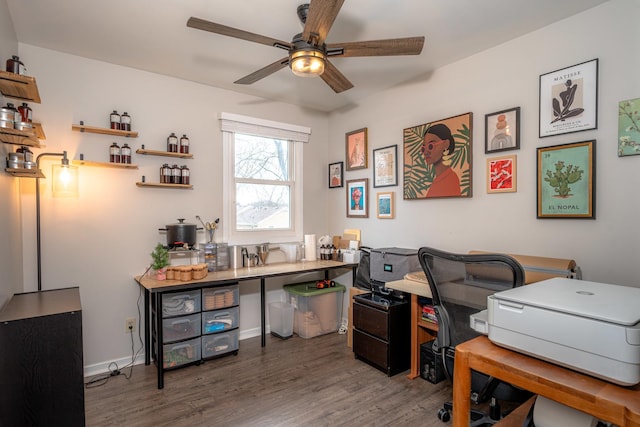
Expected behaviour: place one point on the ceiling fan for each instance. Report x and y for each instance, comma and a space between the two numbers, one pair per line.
308, 52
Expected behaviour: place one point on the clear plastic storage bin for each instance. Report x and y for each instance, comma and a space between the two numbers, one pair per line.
317, 311
180, 328
220, 320
218, 344
220, 297
179, 303
181, 353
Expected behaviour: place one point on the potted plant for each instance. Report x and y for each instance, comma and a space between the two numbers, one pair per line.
160, 257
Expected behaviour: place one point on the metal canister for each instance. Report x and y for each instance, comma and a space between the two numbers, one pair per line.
27, 154
14, 65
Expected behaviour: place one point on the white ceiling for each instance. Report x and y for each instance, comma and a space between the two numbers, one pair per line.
152, 35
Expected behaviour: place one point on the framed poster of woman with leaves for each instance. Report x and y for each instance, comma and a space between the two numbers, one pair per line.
437, 158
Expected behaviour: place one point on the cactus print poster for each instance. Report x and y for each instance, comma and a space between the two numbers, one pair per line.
566, 180
569, 99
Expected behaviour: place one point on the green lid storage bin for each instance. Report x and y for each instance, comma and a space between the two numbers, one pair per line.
316, 311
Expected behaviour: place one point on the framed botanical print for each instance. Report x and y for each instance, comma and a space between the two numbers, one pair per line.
336, 174
629, 127
385, 205
566, 180
502, 130
358, 198
501, 174
569, 99
356, 149
437, 158
385, 166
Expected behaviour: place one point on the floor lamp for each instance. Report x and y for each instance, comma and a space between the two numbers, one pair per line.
64, 184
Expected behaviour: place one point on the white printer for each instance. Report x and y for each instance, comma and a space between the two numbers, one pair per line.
590, 327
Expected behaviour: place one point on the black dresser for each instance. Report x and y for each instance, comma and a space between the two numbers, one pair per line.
382, 332
41, 369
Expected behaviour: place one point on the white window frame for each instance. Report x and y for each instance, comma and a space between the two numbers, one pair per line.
296, 135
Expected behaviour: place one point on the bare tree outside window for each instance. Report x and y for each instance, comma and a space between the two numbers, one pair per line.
263, 180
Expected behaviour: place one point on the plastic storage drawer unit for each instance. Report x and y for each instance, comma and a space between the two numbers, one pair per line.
180, 328
181, 353
220, 320
316, 311
178, 303
219, 344
220, 297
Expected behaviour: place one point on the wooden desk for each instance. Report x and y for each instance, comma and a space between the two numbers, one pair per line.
157, 288
604, 400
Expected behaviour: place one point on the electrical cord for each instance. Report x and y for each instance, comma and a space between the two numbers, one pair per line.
113, 368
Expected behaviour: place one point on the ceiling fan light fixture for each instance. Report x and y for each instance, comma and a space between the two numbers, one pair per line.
307, 62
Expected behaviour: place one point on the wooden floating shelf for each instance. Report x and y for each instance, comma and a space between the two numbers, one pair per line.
19, 137
19, 87
25, 173
37, 129
104, 131
164, 153
104, 164
159, 185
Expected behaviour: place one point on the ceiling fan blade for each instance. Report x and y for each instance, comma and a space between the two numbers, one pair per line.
320, 18
388, 47
263, 72
335, 79
212, 27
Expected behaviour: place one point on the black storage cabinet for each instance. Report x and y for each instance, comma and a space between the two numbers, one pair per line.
41, 369
381, 334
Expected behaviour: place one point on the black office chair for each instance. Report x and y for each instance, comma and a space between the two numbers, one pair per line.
460, 285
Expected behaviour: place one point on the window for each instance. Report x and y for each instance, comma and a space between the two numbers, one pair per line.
262, 180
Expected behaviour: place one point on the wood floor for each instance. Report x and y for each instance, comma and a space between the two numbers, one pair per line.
294, 382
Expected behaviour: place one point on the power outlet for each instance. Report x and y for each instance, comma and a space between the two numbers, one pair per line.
130, 325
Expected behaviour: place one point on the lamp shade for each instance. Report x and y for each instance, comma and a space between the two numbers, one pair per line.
307, 63
64, 180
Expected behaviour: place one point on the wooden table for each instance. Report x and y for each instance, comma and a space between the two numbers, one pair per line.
157, 288
603, 400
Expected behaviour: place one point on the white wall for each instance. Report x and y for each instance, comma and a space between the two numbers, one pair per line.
100, 241
507, 76
10, 222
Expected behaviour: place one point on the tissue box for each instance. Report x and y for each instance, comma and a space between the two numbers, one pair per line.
351, 256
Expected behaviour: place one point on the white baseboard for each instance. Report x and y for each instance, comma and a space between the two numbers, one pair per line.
111, 365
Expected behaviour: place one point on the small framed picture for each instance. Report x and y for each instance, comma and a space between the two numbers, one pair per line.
356, 149
385, 166
385, 205
336, 175
502, 130
357, 198
566, 180
569, 99
501, 174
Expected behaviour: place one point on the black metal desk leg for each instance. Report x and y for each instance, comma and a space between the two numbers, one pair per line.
159, 353
263, 320
147, 329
